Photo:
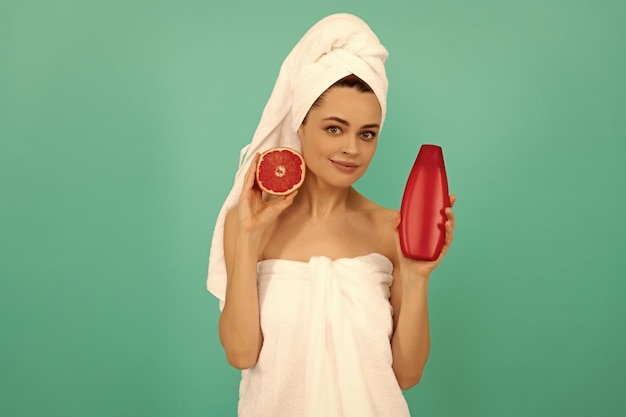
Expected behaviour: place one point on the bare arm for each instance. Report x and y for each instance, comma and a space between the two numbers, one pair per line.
240, 325
410, 343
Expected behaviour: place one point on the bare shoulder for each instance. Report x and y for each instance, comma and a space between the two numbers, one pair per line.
382, 221
378, 213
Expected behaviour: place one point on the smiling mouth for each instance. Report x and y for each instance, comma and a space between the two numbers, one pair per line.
344, 164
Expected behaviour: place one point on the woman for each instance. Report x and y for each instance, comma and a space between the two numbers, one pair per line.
320, 309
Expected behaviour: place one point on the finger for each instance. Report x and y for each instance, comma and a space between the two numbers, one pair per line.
249, 179
452, 200
286, 201
273, 199
291, 195
449, 236
451, 217
276, 206
395, 221
250, 192
395, 224
445, 248
449, 231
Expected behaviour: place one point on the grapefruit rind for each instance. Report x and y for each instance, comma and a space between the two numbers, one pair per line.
280, 171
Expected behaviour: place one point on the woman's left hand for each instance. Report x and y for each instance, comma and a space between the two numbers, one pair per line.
422, 269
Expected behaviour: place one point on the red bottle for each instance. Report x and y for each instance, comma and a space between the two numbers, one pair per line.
422, 216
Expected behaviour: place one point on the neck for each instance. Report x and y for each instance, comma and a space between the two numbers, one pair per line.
321, 201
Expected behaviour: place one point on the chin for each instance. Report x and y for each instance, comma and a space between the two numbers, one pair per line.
346, 182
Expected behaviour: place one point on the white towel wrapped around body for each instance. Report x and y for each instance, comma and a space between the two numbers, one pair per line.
326, 341
337, 46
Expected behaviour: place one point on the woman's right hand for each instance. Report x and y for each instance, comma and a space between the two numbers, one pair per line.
255, 214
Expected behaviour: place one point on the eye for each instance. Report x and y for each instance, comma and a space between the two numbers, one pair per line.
333, 130
368, 135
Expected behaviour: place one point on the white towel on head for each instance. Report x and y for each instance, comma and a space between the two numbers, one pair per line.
336, 46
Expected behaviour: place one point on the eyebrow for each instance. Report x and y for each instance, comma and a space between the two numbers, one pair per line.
345, 122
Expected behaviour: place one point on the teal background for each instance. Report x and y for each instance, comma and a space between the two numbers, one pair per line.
120, 126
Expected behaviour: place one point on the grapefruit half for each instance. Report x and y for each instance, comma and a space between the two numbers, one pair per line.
280, 171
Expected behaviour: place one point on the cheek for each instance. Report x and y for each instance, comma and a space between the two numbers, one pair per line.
370, 148
315, 144
315, 152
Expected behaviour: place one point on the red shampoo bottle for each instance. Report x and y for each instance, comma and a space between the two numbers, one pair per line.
422, 217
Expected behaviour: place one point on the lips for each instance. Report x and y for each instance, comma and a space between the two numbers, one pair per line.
344, 166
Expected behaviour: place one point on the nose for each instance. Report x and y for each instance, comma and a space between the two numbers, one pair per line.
351, 145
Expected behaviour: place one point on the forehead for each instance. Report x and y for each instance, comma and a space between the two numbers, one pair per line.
349, 104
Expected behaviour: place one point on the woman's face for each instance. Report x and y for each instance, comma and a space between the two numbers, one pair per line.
340, 136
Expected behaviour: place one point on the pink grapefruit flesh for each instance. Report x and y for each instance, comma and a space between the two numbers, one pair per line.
280, 171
